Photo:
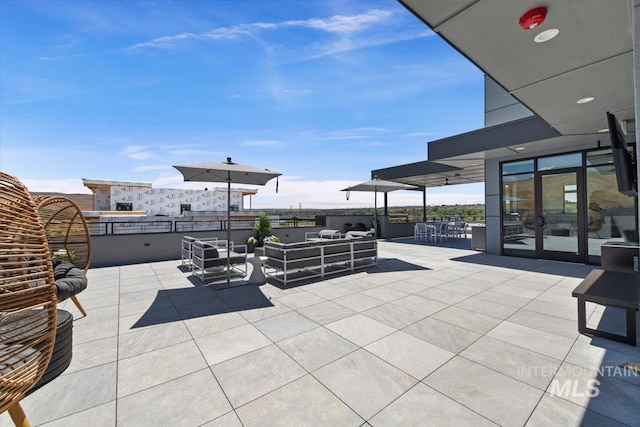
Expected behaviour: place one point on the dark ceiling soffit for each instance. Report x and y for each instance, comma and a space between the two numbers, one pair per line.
414, 13
412, 169
503, 135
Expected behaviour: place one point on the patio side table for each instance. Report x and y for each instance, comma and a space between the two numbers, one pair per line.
257, 275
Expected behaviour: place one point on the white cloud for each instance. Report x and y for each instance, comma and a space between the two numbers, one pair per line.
417, 134
137, 152
141, 155
292, 191
151, 168
348, 44
67, 186
349, 137
283, 94
256, 143
196, 154
358, 133
379, 144
327, 194
373, 129
343, 24
337, 24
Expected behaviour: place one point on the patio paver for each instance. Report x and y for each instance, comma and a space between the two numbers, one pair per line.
364, 382
433, 334
304, 402
502, 399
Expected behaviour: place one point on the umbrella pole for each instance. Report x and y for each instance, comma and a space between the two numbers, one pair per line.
228, 226
375, 212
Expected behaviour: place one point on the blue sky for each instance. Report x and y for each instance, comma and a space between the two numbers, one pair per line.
321, 91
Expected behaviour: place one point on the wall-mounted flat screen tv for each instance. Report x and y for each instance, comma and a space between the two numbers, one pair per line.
626, 174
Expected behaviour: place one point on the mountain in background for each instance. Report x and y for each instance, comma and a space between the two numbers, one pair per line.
84, 201
471, 211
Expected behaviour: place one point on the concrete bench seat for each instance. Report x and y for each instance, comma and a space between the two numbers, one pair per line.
614, 289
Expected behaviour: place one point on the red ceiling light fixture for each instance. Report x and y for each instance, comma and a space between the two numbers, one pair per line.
533, 18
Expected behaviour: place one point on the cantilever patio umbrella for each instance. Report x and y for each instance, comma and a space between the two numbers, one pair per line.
227, 172
378, 185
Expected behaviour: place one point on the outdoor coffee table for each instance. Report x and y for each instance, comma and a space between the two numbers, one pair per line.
257, 275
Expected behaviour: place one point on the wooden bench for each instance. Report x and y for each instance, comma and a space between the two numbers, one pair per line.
610, 288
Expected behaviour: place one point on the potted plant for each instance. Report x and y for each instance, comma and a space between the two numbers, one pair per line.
251, 244
262, 228
271, 238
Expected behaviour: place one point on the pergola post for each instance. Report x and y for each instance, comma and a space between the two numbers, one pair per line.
424, 204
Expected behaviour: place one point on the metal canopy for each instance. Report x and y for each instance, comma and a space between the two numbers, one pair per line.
421, 174
378, 185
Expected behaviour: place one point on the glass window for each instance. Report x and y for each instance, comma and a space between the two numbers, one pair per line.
518, 214
600, 157
570, 199
611, 216
517, 167
559, 162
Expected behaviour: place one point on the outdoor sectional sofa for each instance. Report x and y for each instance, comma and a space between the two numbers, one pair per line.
290, 262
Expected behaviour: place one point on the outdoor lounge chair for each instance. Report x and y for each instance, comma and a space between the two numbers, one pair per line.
27, 298
209, 259
69, 243
322, 235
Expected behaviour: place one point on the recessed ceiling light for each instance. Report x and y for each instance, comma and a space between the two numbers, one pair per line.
603, 130
585, 100
519, 148
547, 35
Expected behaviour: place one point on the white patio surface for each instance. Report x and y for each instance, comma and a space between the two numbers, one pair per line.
431, 336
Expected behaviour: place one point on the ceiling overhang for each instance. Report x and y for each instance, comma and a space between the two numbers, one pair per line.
460, 159
592, 56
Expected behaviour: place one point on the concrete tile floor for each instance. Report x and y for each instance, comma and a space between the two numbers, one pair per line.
434, 335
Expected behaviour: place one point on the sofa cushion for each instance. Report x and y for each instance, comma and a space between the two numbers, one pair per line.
328, 234
210, 252
70, 280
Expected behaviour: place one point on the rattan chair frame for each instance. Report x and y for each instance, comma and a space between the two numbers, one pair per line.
67, 232
27, 297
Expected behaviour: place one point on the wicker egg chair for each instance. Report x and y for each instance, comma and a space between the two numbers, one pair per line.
67, 233
27, 297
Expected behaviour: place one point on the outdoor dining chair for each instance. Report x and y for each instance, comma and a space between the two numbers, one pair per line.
423, 231
441, 231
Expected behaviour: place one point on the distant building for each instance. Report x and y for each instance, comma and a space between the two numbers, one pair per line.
141, 198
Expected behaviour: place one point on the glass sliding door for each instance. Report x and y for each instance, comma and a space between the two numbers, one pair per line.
559, 220
564, 207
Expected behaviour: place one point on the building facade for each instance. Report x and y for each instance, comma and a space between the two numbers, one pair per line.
141, 197
545, 153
